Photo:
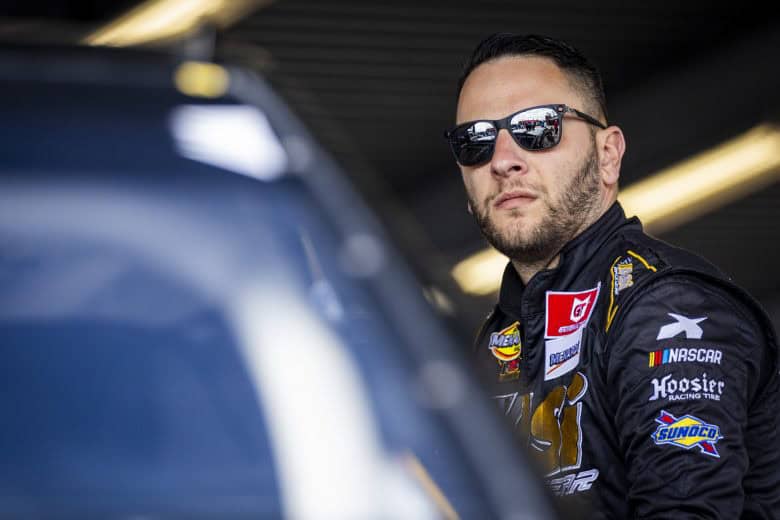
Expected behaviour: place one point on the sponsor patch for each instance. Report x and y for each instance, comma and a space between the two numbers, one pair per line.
506, 348
567, 312
686, 389
682, 324
505, 345
562, 355
684, 355
622, 274
573, 483
686, 432
509, 371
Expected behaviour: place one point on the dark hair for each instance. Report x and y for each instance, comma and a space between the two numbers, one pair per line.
581, 72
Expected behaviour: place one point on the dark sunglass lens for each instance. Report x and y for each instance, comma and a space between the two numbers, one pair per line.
536, 129
473, 144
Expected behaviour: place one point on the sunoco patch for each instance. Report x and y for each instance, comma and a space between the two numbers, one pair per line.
686, 432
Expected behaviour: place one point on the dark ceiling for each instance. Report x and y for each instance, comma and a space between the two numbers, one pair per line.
375, 82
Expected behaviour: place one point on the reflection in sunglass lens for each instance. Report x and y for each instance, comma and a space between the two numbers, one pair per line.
533, 129
473, 144
536, 129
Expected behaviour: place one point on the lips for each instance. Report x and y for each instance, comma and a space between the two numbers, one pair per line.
514, 198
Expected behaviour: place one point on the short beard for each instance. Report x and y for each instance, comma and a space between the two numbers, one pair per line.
562, 222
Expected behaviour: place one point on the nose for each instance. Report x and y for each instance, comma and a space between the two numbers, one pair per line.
508, 158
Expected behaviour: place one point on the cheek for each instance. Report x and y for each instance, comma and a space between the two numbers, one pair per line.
468, 183
477, 183
558, 178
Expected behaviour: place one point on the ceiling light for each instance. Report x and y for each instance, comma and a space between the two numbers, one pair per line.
480, 273
669, 198
164, 20
199, 79
706, 181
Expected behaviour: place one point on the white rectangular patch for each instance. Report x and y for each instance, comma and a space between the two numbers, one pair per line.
562, 355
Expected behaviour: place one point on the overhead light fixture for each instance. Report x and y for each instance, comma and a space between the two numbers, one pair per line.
706, 181
669, 198
480, 274
165, 20
201, 79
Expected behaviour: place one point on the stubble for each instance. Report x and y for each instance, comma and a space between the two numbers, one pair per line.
562, 220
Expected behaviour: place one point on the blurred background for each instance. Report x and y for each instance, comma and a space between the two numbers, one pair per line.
694, 85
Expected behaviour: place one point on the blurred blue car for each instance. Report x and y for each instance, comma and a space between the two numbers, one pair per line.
199, 318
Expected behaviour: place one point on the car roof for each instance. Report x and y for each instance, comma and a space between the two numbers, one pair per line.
167, 275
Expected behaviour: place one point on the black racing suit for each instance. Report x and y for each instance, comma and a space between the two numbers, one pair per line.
644, 381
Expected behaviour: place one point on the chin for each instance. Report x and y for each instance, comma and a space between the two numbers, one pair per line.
516, 223
516, 237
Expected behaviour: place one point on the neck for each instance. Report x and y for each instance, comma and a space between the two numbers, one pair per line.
526, 271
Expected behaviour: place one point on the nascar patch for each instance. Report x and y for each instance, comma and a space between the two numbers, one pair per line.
684, 355
686, 432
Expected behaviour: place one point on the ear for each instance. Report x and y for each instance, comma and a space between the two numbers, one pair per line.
611, 145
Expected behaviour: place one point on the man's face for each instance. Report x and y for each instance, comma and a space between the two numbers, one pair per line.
529, 204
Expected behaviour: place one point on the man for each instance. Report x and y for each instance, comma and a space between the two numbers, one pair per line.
644, 380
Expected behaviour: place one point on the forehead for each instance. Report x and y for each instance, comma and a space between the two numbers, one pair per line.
499, 87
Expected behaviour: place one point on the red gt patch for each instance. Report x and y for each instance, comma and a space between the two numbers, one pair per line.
569, 311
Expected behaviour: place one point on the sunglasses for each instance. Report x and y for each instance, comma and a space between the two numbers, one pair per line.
535, 129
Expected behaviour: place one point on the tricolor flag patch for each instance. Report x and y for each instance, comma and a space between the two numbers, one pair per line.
659, 357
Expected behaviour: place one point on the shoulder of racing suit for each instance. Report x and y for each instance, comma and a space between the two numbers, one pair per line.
681, 343
645, 264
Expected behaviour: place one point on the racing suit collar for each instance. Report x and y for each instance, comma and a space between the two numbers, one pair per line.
519, 300
594, 236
